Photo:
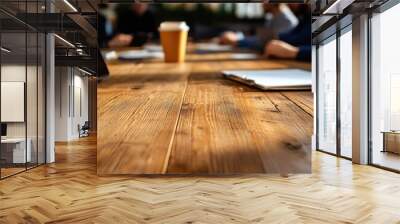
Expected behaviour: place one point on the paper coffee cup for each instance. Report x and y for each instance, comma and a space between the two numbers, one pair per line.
174, 40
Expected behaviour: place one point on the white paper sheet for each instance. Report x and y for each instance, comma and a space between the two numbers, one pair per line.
213, 47
273, 79
139, 54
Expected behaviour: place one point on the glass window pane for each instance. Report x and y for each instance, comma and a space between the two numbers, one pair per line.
32, 87
13, 86
22, 88
41, 98
385, 114
327, 96
31, 98
346, 94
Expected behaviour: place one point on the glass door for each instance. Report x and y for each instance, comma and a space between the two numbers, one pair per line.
14, 153
345, 59
22, 76
326, 100
385, 89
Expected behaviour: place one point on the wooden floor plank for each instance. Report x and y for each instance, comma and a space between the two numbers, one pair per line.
212, 136
138, 108
70, 191
152, 120
303, 99
227, 128
284, 138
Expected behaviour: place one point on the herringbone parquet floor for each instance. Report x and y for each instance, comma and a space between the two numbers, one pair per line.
70, 192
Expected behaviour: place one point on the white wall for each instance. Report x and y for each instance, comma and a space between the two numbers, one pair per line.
80, 109
71, 94
50, 95
33, 126
360, 89
12, 73
62, 81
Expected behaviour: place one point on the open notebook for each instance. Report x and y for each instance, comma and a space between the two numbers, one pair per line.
273, 79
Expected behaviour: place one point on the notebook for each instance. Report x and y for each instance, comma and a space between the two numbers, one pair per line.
273, 79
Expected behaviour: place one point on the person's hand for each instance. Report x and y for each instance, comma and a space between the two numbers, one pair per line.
280, 49
121, 40
229, 37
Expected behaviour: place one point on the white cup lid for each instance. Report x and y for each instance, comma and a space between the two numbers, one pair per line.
173, 26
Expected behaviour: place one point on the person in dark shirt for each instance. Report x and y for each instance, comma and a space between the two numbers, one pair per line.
296, 43
278, 18
136, 24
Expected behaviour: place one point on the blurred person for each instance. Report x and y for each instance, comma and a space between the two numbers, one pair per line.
278, 18
106, 21
136, 24
296, 43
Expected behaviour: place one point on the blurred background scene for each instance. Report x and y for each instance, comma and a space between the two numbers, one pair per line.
235, 77
276, 30
56, 55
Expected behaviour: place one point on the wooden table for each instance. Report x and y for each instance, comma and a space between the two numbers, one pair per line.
159, 118
391, 141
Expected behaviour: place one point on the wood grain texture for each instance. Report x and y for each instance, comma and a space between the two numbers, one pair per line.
157, 118
138, 109
302, 99
227, 128
69, 191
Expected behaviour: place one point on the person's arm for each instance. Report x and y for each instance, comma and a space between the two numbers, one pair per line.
121, 40
281, 49
304, 53
251, 42
230, 38
282, 21
295, 44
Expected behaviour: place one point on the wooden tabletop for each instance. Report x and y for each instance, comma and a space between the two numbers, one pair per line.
160, 118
